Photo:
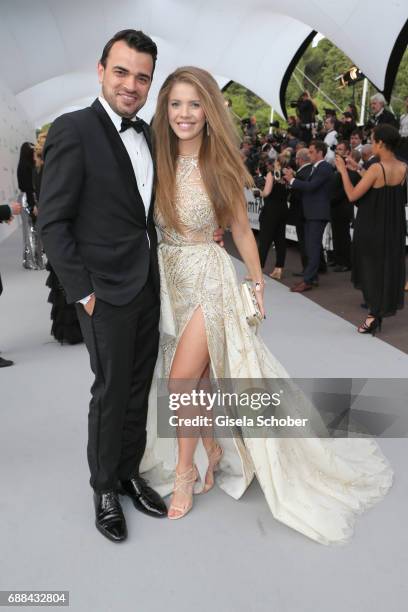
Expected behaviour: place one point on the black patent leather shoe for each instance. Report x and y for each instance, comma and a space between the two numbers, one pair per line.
144, 497
5, 363
110, 520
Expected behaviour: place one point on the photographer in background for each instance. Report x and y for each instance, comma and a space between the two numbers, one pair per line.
250, 127
347, 126
306, 112
250, 154
293, 123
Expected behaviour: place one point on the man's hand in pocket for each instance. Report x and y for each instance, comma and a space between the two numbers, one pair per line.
89, 306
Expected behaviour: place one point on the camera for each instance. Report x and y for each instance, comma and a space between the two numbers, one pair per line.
274, 124
259, 182
293, 104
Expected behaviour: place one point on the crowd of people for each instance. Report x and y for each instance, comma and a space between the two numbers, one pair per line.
302, 172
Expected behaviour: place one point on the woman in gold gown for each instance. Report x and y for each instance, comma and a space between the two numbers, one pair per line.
315, 485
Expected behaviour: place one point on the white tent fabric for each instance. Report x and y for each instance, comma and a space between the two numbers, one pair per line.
49, 48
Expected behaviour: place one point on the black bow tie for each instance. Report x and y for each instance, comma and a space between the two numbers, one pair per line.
127, 123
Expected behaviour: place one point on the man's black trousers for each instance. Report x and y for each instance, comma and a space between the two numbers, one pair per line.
314, 230
122, 342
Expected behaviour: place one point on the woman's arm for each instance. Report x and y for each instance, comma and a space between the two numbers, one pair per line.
245, 242
268, 185
367, 181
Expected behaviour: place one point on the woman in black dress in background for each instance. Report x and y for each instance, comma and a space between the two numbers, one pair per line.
380, 229
25, 171
272, 220
65, 325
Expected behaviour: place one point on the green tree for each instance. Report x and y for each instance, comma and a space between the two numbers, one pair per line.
400, 89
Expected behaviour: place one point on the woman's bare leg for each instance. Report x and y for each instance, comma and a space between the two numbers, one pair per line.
190, 361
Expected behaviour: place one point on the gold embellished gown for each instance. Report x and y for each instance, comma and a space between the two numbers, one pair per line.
314, 485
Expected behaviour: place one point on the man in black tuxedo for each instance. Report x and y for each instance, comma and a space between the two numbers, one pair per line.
296, 210
96, 221
296, 216
7, 212
316, 209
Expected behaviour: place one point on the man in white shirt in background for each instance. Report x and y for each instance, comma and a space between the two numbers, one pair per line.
331, 139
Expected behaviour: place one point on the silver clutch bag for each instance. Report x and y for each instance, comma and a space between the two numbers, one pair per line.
251, 307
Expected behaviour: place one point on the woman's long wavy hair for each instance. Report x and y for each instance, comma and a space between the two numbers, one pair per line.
222, 170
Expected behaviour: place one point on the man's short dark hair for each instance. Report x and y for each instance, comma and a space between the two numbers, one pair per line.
356, 133
136, 39
346, 143
319, 145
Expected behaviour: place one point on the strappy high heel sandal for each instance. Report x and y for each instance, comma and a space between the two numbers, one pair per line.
184, 482
370, 328
214, 458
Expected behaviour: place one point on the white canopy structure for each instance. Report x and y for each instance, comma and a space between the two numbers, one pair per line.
49, 48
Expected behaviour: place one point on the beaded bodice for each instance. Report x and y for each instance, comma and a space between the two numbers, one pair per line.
194, 208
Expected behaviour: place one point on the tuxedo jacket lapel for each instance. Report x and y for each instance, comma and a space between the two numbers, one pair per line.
121, 155
312, 172
147, 135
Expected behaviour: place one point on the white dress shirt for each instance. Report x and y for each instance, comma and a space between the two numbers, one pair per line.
331, 139
142, 163
358, 148
139, 154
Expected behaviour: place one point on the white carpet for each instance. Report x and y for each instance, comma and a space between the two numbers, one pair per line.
225, 555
